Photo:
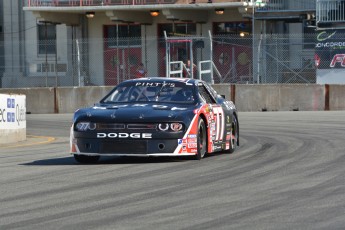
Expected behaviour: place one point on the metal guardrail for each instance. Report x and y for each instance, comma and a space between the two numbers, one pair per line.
330, 11
176, 67
71, 3
285, 5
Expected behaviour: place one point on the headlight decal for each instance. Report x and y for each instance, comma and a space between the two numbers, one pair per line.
176, 126
163, 127
84, 126
170, 127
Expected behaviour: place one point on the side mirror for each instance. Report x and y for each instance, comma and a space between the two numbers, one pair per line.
223, 96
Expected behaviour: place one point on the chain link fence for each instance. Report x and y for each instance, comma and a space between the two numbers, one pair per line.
285, 59
270, 59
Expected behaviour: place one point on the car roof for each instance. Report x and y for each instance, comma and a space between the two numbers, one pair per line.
162, 79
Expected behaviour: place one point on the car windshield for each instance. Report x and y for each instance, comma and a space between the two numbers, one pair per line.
174, 92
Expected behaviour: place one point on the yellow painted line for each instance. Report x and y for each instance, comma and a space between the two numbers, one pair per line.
46, 141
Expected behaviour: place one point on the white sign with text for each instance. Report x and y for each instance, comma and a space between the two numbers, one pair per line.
12, 111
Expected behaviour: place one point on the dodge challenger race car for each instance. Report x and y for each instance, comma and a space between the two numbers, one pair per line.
156, 117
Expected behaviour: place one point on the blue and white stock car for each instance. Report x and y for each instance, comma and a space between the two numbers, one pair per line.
156, 117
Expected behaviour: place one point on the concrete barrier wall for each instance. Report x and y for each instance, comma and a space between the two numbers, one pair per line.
336, 97
38, 100
246, 97
70, 99
280, 97
224, 89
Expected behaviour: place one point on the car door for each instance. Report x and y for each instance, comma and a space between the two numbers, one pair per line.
217, 122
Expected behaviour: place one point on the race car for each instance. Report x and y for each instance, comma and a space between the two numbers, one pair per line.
156, 117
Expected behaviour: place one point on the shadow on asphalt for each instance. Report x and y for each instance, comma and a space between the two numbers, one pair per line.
109, 160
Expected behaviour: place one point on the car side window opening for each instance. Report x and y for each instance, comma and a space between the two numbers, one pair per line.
205, 95
183, 95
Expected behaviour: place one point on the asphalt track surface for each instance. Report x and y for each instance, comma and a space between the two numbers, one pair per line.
288, 173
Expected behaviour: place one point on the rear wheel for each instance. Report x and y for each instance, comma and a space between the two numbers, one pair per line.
201, 140
86, 159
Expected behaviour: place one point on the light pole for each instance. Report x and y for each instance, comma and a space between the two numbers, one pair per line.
255, 3
253, 40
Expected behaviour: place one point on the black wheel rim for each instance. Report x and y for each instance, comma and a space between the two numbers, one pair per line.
202, 140
234, 133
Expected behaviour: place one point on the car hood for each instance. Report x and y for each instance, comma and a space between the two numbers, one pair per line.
136, 113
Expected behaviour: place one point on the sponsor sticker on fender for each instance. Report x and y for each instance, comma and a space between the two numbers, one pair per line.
192, 145
192, 140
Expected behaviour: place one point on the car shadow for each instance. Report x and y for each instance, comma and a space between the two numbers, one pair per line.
108, 160
52, 161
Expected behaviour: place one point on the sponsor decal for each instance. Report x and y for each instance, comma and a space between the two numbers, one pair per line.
192, 145
11, 103
139, 105
99, 107
160, 106
334, 45
125, 135
323, 36
179, 141
215, 148
330, 51
338, 58
192, 136
228, 136
155, 84
229, 105
208, 109
177, 108
192, 140
12, 111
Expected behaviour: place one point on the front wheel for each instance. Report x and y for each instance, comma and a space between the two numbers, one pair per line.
234, 135
86, 159
201, 140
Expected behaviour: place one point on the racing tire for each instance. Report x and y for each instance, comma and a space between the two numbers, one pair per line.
86, 159
201, 140
234, 136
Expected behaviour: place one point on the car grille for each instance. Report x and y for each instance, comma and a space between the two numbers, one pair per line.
124, 146
104, 126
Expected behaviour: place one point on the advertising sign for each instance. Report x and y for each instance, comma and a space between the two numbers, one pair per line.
330, 57
12, 112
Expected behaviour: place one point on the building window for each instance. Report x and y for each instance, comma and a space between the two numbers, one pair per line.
229, 28
128, 35
46, 39
177, 29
